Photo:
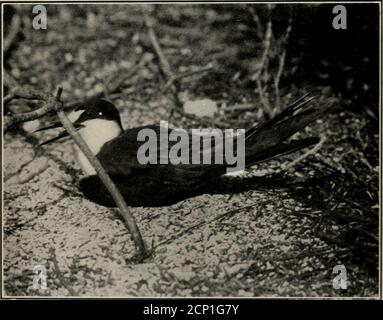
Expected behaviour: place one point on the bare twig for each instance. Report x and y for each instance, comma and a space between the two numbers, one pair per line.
186, 74
53, 103
273, 49
9, 81
264, 100
261, 66
277, 79
109, 184
111, 96
14, 29
59, 274
267, 42
164, 64
281, 65
17, 92
8, 98
117, 85
10, 120
24, 93
258, 25
34, 174
305, 155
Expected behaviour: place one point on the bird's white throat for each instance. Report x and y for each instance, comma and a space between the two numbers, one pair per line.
96, 133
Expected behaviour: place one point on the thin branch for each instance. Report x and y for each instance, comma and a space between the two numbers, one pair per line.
264, 101
277, 79
118, 84
111, 96
261, 66
59, 274
258, 25
164, 64
9, 81
13, 32
305, 155
52, 103
281, 65
8, 98
186, 74
18, 92
10, 120
24, 93
109, 184
267, 42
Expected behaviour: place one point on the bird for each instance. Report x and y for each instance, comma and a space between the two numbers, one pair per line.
99, 123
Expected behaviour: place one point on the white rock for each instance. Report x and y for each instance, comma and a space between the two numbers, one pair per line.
201, 108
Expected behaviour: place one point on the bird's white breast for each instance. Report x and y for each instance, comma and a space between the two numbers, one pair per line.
96, 133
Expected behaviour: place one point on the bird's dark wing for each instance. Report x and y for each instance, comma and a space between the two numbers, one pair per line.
119, 156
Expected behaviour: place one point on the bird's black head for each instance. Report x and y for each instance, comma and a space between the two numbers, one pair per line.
97, 109
95, 118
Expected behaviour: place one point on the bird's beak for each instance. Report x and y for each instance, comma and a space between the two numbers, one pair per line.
61, 135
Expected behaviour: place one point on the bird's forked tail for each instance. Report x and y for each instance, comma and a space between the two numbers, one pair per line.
268, 139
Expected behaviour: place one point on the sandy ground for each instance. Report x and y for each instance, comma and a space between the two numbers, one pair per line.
258, 242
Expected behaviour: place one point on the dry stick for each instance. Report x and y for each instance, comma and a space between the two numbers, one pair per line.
9, 81
59, 274
11, 84
281, 66
258, 26
14, 30
114, 90
264, 101
305, 155
186, 74
124, 94
267, 44
172, 79
8, 98
24, 93
18, 92
277, 79
53, 104
164, 64
10, 120
261, 67
117, 85
109, 184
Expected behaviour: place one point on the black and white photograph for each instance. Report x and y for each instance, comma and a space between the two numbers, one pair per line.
191, 150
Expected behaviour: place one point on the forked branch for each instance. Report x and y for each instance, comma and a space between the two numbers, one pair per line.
104, 177
53, 103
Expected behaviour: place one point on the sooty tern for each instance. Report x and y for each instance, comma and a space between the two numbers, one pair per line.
98, 121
